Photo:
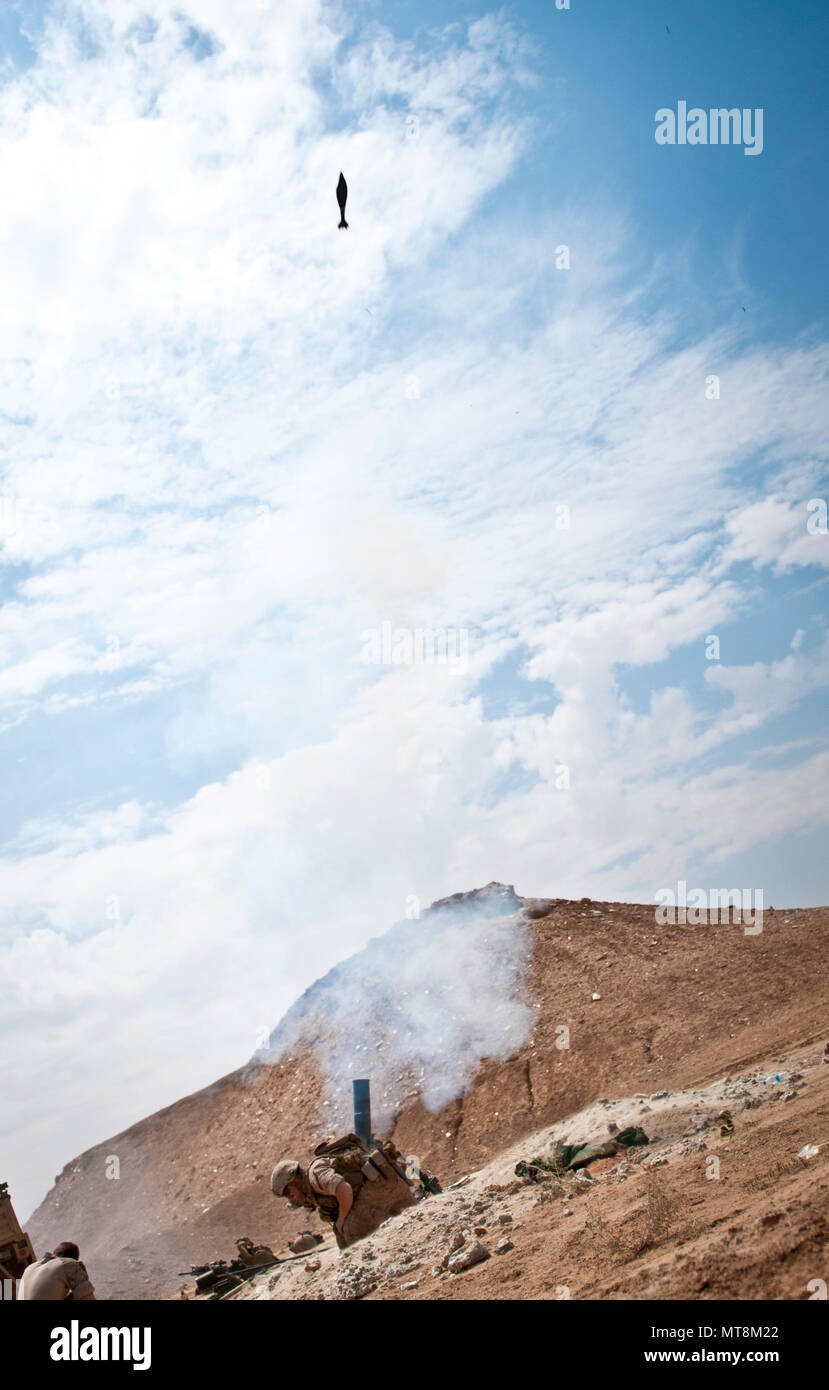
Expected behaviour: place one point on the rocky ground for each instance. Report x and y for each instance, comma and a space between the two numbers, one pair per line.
727, 1201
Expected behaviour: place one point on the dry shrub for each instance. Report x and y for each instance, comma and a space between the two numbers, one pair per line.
660, 1207
770, 1174
551, 1190
648, 1228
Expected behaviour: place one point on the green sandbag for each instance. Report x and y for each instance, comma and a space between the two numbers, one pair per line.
572, 1156
632, 1137
568, 1157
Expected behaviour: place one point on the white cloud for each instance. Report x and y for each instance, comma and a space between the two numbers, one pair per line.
775, 532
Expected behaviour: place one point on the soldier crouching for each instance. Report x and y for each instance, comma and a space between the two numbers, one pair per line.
354, 1189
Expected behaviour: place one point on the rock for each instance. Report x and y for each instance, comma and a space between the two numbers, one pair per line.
410, 1284
472, 1253
354, 1284
502, 1246
809, 1151
612, 1128
658, 1095
304, 1241
595, 996
504, 1219
458, 1239
567, 1212
479, 1230
312, 1266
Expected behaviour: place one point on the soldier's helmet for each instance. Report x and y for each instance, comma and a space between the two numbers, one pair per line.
283, 1173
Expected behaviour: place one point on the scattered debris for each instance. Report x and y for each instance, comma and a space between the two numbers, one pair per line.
471, 1252
221, 1277
353, 1283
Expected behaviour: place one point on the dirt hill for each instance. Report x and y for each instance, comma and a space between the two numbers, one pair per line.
601, 1001
728, 1200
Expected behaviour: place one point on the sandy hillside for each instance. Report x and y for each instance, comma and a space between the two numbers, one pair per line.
678, 1007
719, 1205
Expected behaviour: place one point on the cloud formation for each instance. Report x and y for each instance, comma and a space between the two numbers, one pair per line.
226, 476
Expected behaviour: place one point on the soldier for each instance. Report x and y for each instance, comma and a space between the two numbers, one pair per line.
348, 1186
58, 1277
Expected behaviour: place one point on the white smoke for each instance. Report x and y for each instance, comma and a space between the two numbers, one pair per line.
420, 1008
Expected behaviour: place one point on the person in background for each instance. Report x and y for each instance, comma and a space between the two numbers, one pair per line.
58, 1277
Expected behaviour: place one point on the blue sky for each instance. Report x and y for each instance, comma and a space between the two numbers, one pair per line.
234, 441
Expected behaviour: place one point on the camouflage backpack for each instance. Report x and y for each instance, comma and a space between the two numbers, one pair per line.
346, 1156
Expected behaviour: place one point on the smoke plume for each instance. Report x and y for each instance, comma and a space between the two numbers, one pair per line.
418, 1009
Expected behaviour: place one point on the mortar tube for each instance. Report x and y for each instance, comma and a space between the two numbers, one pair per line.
362, 1111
